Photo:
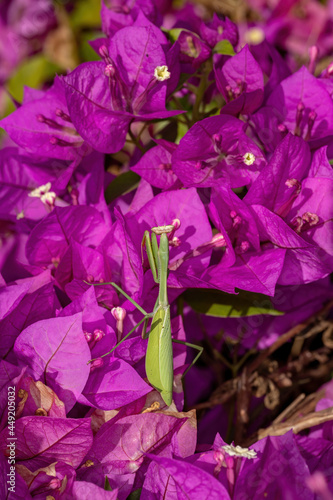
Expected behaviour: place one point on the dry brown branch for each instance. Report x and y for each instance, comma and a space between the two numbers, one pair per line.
310, 420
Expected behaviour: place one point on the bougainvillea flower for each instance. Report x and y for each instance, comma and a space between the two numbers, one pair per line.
124, 256
193, 228
311, 219
88, 183
117, 14
37, 398
192, 51
104, 97
320, 166
236, 218
56, 352
255, 272
39, 301
310, 216
44, 440
299, 104
114, 384
279, 182
21, 489
167, 477
84, 224
219, 29
116, 449
54, 478
29, 187
271, 62
155, 167
217, 149
30, 20
11, 52
171, 51
278, 469
81, 264
10, 376
240, 80
82, 490
43, 126
304, 262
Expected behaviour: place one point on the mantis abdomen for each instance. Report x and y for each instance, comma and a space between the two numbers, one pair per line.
159, 358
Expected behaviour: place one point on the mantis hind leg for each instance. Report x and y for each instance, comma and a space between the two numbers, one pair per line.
193, 346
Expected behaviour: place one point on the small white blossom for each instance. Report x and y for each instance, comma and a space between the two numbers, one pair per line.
43, 192
238, 451
249, 158
162, 73
20, 215
38, 192
254, 36
48, 198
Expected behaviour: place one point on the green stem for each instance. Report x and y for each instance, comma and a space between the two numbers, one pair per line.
135, 140
199, 96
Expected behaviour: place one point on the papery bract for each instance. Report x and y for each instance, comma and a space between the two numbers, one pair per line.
121, 447
240, 81
114, 384
20, 492
43, 440
256, 272
124, 257
84, 224
116, 14
53, 479
178, 480
82, 490
278, 465
156, 167
103, 101
43, 127
38, 398
217, 149
57, 352
219, 29
35, 306
299, 104
290, 161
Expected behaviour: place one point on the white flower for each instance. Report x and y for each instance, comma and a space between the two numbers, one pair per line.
20, 215
48, 198
249, 158
254, 36
38, 192
238, 451
162, 73
43, 192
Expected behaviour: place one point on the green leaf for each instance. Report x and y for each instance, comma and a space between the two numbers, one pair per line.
87, 53
123, 183
107, 486
182, 129
224, 47
223, 305
135, 495
33, 73
86, 14
173, 34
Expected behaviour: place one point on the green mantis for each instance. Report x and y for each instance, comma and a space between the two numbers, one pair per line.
159, 355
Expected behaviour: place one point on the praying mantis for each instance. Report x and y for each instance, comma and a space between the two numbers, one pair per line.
159, 355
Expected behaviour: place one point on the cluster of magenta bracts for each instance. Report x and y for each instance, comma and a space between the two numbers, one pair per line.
248, 189
24, 25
